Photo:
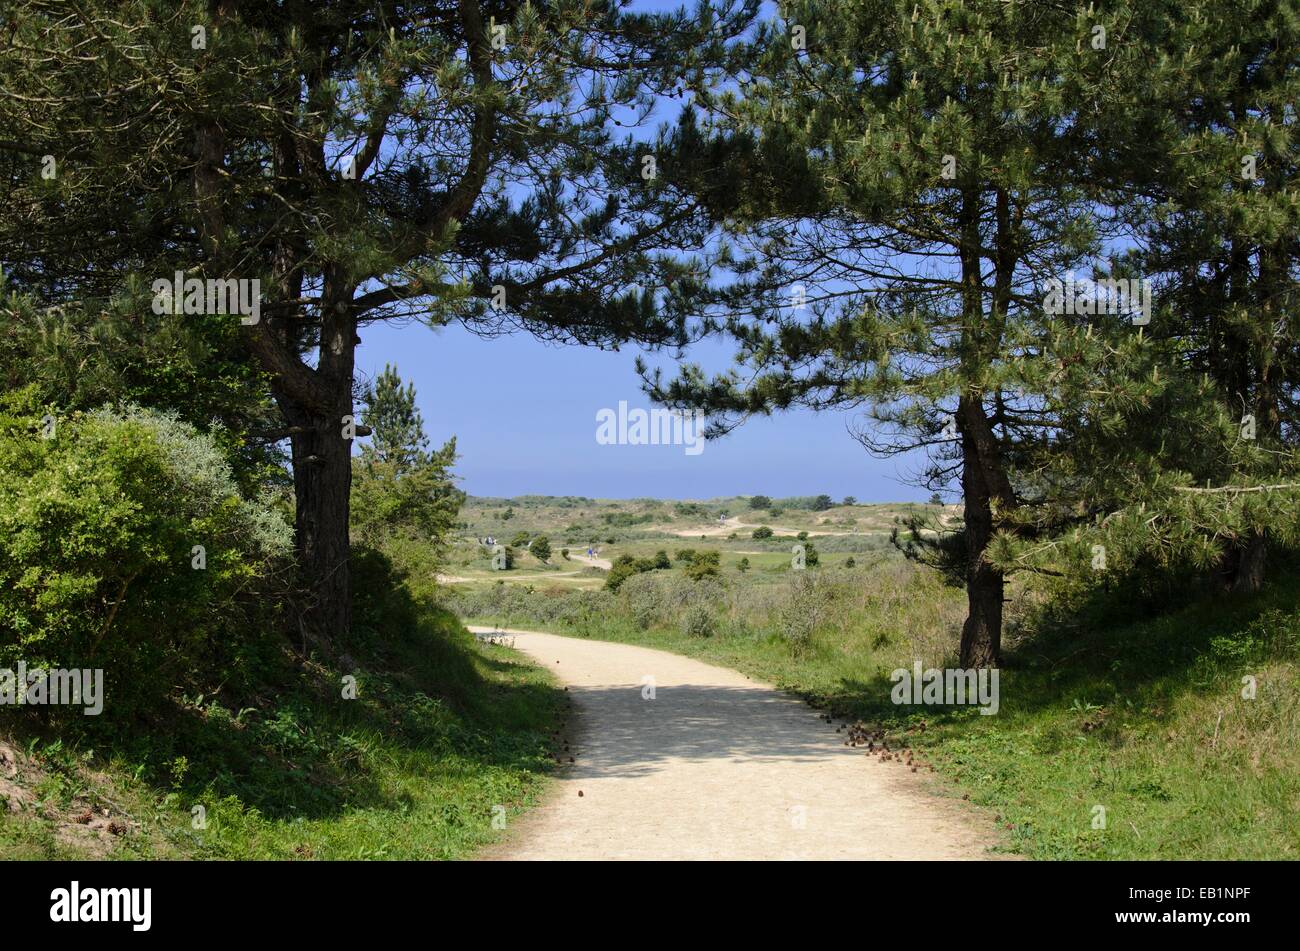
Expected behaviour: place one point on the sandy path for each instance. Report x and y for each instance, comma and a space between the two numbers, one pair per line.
594, 562
717, 766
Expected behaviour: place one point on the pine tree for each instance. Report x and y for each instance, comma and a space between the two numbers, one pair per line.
452, 161
399, 487
917, 171
1183, 456
1224, 236
396, 425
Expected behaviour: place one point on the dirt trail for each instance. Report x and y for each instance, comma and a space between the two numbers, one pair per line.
717, 766
596, 562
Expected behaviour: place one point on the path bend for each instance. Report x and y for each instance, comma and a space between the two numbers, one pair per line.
712, 765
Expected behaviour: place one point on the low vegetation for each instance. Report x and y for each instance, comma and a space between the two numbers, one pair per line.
1108, 698
136, 543
445, 741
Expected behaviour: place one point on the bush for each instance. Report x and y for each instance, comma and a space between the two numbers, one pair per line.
126, 545
541, 549
644, 600
625, 519
762, 532
624, 567
703, 565
698, 622
806, 599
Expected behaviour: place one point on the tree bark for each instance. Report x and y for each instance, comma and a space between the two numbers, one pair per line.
317, 405
1250, 566
1241, 570
322, 480
322, 466
983, 484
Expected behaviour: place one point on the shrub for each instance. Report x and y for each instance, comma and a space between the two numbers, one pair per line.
762, 532
624, 567
703, 565
698, 622
805, 600
541, 548
644, 599
126, 545
625, 519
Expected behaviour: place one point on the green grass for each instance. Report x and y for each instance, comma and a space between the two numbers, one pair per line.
1103, 703
444, 734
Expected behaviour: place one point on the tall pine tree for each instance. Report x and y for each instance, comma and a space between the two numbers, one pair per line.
919, 172
444, 161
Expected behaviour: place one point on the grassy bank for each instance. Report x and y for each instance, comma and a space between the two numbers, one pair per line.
444, 735
1104, 704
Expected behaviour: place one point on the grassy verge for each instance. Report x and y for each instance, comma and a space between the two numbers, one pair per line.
444, 735
1102, 708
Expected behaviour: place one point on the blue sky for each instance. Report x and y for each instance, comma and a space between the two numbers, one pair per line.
524, 416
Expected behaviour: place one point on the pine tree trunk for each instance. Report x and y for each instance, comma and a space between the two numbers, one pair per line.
981, 634
322, 477
1241, 570
983, 483
317, 404
1250, 567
